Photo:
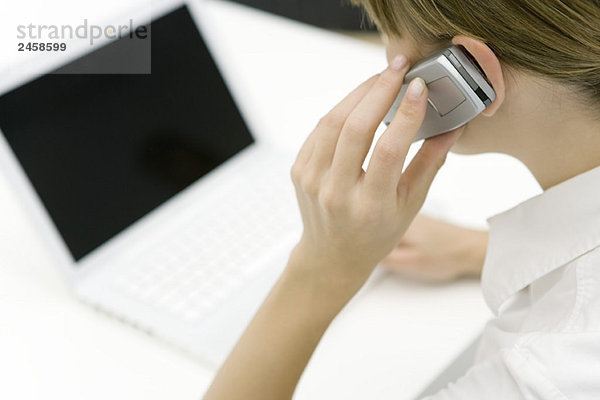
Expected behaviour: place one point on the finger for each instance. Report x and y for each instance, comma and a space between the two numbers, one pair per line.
344, 107
419, 175
387, 161
358, 130
326, 135
306, 150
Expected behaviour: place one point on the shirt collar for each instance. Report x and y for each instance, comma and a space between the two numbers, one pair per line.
540, 235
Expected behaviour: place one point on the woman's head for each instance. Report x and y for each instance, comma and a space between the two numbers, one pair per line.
536, 53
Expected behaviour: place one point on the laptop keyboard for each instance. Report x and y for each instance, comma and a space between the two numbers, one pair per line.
211, 257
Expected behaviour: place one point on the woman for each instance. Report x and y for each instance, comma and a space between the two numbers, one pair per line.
542, 269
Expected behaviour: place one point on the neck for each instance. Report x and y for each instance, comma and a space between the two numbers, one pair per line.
560, 149
556, 138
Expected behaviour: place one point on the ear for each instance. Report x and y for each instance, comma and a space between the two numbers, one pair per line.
490, 65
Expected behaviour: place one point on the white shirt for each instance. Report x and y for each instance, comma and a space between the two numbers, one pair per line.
541, 278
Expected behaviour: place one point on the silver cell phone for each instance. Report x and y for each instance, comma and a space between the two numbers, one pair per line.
458, 91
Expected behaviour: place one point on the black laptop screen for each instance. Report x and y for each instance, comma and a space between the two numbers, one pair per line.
104, 150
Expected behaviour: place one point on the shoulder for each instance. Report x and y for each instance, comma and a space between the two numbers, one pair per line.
548, 341
585, 314
566, 300
544, 366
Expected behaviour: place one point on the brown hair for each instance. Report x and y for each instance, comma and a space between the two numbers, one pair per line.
554, 39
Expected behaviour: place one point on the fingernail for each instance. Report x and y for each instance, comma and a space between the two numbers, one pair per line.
398, 62
416, 88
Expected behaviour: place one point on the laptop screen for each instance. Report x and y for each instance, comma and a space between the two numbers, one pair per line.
104, 150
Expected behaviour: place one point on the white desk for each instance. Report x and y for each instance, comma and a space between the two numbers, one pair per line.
53, 347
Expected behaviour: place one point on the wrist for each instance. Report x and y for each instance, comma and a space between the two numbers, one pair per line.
332, 281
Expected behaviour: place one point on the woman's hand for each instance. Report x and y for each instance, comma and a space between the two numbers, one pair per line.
354, 218
436, 251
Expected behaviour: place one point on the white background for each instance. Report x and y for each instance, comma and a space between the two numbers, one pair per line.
382, 346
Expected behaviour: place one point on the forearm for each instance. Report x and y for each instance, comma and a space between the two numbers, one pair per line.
352, 218
269, 359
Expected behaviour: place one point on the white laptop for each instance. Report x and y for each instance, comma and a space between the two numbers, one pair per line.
155, 199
